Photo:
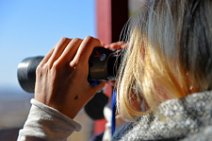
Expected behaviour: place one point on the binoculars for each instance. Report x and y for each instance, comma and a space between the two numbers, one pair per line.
103, 65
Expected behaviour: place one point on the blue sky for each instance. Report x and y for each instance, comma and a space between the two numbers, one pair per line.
32, 27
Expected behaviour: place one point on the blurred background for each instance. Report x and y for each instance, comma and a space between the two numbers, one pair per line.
30, 28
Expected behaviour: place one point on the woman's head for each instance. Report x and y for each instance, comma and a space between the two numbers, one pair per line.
169, 54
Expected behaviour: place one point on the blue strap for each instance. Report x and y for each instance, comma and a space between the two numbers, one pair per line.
113, 127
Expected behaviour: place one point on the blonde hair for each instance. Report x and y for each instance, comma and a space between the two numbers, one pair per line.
169, 54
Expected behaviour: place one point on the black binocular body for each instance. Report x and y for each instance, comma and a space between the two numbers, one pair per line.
103, 65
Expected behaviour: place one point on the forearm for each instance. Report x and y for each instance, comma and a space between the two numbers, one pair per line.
46, 123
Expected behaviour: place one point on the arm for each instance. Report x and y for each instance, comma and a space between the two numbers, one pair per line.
46, 123
61, 90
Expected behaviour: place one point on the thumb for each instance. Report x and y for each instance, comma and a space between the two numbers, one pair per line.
97, 88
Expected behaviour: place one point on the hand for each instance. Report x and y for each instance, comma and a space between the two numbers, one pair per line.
61, 77
116, 45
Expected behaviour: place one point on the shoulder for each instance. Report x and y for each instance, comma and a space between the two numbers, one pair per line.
174, 119
204, 134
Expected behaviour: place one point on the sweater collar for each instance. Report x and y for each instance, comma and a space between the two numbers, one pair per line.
174, 118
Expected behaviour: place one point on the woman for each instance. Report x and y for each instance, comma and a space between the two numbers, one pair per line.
167, 73
164, 85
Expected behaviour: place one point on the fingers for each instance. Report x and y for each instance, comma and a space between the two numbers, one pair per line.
61, 45
116, 45
70, 51
66, 87
85, 50
99, 87
46, 58
73, 51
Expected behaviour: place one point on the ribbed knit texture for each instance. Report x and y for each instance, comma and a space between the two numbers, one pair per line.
187, 119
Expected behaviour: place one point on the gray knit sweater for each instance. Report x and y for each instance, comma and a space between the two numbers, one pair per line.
187, 119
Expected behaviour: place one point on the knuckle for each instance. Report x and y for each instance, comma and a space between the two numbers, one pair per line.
89, 38
40, 69
55, 66
76, 40
92, 40
74, 64
65, 38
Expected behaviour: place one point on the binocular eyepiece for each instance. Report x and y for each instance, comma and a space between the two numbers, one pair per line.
103, 65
